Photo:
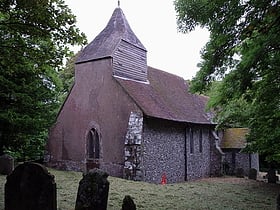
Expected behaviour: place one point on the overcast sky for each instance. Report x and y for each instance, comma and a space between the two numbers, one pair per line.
154, 23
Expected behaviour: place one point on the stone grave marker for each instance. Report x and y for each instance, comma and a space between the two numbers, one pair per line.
271, 176
6, 164
93, 191
30, 187
253, 174
239, 173
128, 203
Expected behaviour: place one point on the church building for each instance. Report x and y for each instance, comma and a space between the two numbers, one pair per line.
131, 120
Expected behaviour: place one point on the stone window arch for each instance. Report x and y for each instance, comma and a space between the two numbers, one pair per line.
93, 144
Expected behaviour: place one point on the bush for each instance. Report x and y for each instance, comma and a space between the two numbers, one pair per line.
31, 148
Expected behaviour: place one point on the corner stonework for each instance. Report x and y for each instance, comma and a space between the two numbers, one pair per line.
132, 147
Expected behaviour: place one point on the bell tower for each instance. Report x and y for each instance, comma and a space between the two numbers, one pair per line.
118, 41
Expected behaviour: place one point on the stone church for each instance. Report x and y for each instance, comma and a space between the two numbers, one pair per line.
132, 120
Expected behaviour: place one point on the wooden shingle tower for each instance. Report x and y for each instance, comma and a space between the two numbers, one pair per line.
119, 42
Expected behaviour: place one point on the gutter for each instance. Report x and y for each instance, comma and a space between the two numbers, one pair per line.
217, 140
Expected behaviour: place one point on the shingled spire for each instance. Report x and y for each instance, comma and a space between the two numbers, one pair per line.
118, 41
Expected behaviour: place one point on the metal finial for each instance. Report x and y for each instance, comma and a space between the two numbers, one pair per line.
119, 4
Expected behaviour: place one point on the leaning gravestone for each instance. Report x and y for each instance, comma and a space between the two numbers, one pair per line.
93, 191
6, 164
30, 187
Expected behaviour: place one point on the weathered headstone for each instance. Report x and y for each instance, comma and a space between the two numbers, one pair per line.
93, 191
239, 173
253, 174
30, 187
6, 164
271, 176
128, 203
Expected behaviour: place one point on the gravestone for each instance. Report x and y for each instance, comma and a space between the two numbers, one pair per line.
93, 191
271, 176
239, 173
128, 203
30, 187
6, 164
253, 174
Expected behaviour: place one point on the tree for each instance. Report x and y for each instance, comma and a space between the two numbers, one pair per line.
243, 54
67, 75
35, 39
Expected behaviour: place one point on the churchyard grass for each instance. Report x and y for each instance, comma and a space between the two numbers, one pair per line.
214, 193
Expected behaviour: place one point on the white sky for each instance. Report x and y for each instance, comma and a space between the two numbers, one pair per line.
154, 23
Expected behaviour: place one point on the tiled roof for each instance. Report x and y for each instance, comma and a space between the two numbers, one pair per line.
105, 44
234, 138
167, 97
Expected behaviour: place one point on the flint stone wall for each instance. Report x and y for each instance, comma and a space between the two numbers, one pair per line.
198, 161
243, 161
236, 159
163, 151
167, 149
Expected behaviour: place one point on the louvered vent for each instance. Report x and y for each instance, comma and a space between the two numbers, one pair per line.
130, 62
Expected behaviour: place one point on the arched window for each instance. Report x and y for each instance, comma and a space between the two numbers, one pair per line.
93, 147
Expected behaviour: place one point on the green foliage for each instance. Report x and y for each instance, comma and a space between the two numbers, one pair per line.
31, 147
243, 54
231, 113
35, 36
67, 75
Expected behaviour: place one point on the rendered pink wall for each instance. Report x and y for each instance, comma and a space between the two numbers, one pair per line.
96, 100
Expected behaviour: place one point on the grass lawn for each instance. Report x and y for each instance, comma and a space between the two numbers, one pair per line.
212, 193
